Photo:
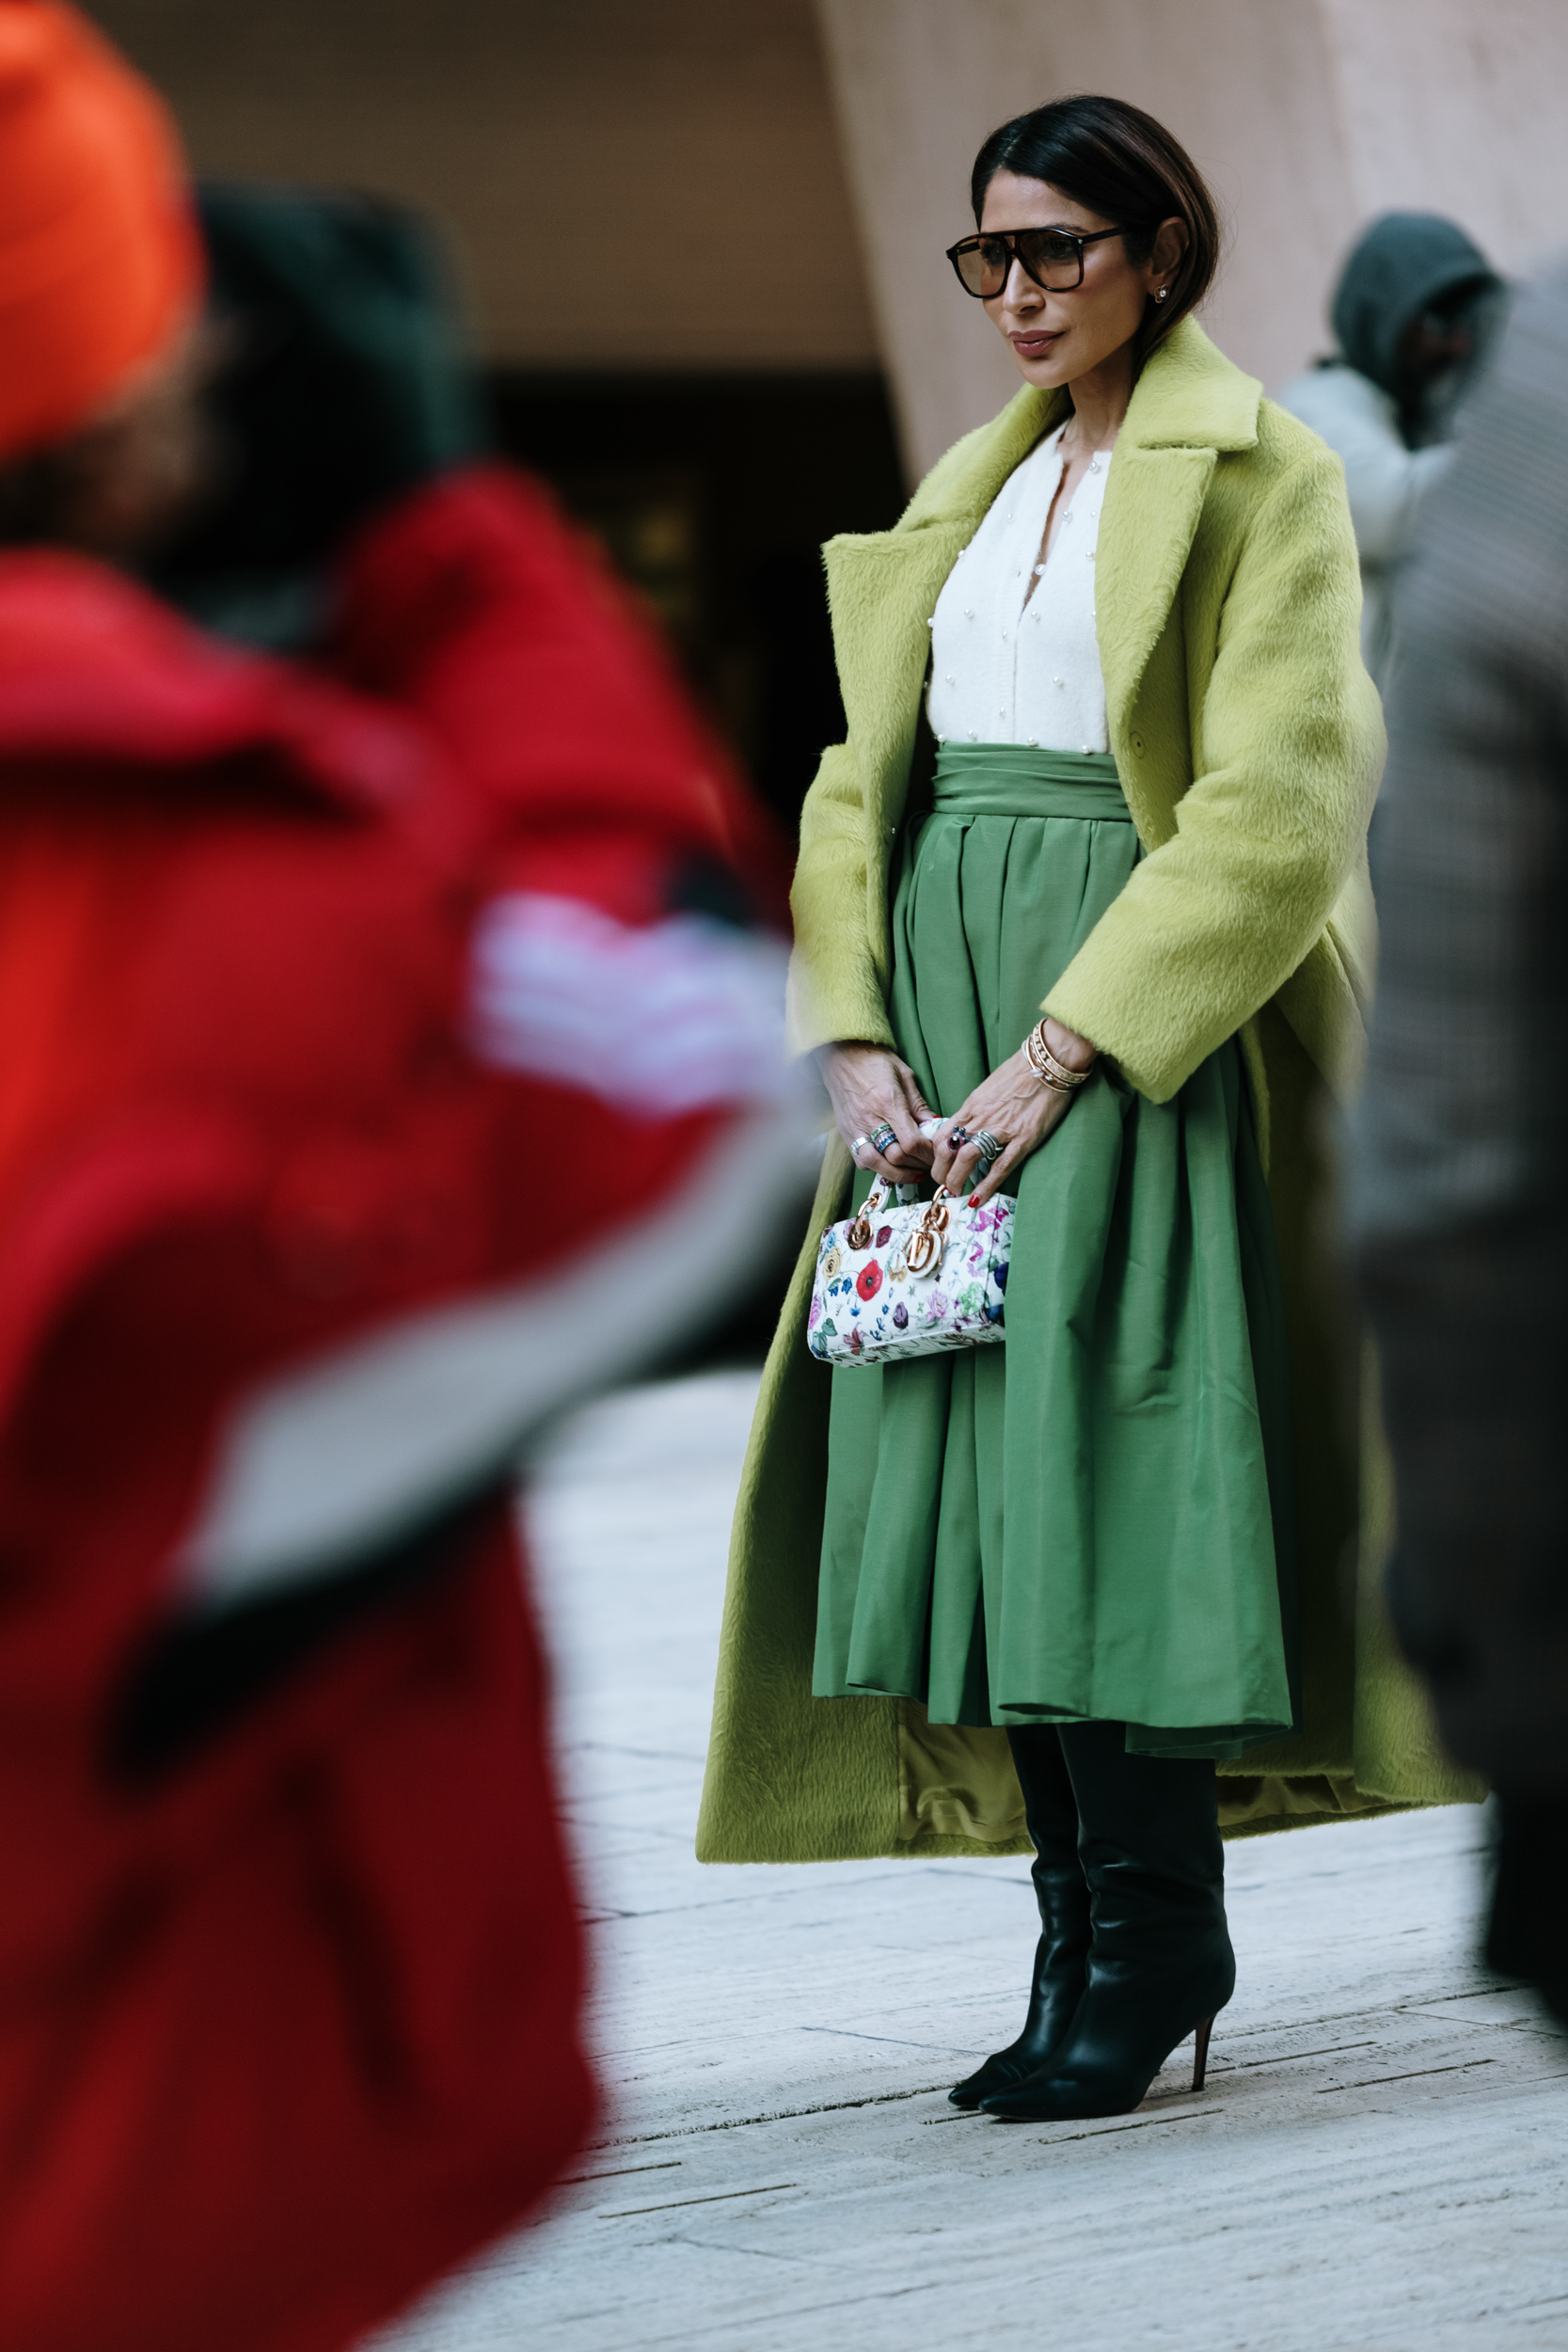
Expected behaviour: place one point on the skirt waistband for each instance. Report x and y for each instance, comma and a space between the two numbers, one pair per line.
1011, 780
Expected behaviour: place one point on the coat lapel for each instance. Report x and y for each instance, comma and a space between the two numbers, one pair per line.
1153, 498
1189, 404
882, 591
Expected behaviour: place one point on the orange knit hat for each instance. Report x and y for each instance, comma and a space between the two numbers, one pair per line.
100, 258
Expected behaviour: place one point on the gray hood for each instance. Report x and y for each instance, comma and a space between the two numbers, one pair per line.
1403, 263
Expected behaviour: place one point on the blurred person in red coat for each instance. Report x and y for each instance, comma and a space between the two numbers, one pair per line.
387, 1054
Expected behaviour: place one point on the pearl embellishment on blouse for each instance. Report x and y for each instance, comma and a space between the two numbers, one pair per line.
1067, 607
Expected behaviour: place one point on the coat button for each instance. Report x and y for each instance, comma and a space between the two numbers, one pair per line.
1138, 743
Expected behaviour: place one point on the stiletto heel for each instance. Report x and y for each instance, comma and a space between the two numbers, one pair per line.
1200, 2052
1160, 1967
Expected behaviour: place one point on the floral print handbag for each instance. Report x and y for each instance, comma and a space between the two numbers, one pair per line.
909, 1278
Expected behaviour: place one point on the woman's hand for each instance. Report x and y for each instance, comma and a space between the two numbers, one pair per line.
1013, 1106
869, 1086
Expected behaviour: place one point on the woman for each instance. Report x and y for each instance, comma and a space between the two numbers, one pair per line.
1119, 961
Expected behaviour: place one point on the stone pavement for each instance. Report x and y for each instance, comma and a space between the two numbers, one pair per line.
1381, 2158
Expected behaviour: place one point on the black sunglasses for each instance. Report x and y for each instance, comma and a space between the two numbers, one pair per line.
1053, 258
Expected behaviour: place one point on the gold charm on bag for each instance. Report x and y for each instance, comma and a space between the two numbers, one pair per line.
924, 1250
859, 1234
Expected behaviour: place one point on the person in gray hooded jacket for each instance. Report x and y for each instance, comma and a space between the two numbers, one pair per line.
1459, 1190
1413, 313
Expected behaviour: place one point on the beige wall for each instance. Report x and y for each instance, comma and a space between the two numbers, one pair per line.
1457, 107
1308, 116
634, 184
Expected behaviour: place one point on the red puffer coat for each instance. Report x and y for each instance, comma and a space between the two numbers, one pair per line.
289, 1967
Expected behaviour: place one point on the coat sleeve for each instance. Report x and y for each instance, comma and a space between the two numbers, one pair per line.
835, 988
1216, 919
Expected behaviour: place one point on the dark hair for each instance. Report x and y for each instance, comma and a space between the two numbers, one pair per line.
1119, 162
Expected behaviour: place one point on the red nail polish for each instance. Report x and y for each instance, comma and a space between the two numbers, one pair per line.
973, 1200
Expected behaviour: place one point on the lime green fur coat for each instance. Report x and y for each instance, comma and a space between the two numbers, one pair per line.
1249, 739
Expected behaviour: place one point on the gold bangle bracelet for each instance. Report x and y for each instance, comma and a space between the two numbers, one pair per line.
1055, 1086
1043, 1077
1046, 1067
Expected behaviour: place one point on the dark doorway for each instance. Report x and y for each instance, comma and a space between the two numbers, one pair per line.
713, 496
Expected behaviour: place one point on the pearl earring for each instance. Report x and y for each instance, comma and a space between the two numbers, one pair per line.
1160, 296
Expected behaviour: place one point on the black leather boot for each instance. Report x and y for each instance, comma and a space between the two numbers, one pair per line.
1062, 1893
1160, 1962
1528, 1932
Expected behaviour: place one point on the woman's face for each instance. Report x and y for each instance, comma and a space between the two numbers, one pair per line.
1057, 338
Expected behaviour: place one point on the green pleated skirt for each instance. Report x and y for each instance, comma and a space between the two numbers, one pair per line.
1094, 1521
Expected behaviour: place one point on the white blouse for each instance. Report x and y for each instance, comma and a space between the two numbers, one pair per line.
1005, 671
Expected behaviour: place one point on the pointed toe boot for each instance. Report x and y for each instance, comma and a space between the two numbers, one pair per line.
1161, 1965
1062, 1892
